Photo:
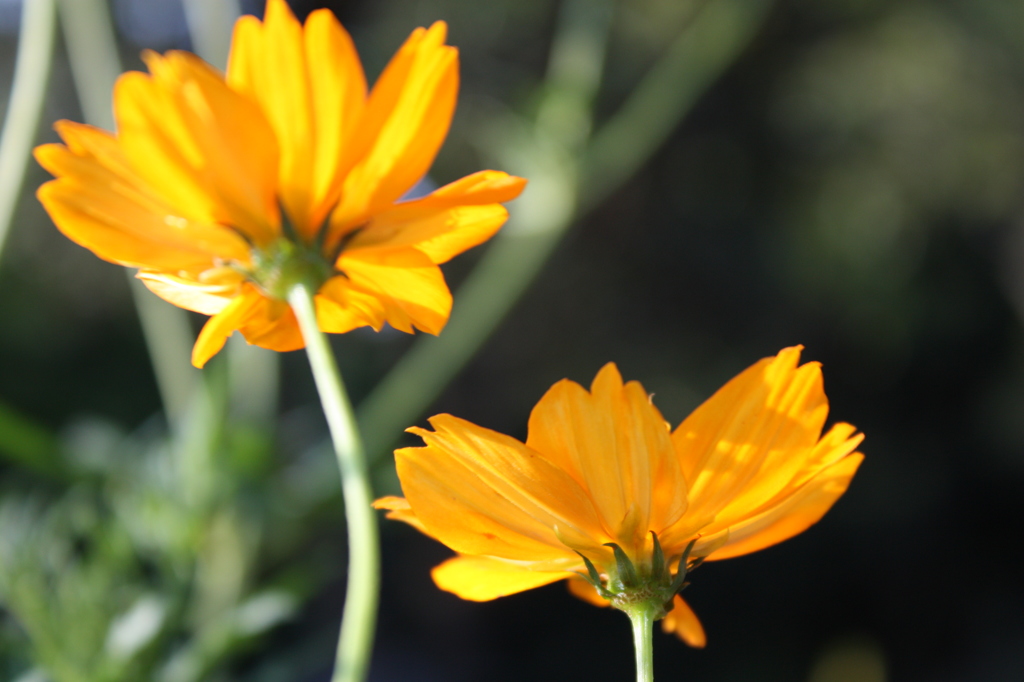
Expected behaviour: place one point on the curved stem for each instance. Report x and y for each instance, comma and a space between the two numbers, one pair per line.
643, 641
31, 74
360, 615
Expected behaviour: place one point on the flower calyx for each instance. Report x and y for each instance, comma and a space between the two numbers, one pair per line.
284, 263
651, 588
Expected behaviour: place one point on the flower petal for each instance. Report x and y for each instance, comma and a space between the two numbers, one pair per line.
482, 187
399, 509
753, 436
403, 125
794, 514
481, 492
480, 578
684, 623
447, 222
838, 443
411, 290
341, 308
310, 85
273, 325
218, 328
100, 203
204, 148
616, 444
206, 299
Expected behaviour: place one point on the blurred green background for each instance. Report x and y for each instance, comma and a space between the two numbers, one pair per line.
851, 178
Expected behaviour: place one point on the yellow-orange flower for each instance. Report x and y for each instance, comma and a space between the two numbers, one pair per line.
224, 189
749, 468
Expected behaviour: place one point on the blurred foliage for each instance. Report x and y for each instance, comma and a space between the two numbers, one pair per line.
142, 556
855, 182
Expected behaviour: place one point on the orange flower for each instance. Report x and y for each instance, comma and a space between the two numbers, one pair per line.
602, 477
226, 190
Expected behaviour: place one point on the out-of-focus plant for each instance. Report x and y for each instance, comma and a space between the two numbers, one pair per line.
147, 566
176, 550
270, 198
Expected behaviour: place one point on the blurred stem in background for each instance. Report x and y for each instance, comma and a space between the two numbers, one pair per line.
210, 23
358, 623
31, 75
570, 172
715, 38
95, 66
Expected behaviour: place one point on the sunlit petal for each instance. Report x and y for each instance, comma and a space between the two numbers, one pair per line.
206, 299
405, 120
201, 146
218, 328
273, 326
99, 203
682, 621
310, 85
408, 286
616, 444
480, 578
399, 509
794, 514
447, 222
341, 308
754, 435
481, 492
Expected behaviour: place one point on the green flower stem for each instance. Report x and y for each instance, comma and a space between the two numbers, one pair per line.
31, 75
360, 615
570, 173
95, 66
642, 620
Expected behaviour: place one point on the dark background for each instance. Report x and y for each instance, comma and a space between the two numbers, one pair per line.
853, 183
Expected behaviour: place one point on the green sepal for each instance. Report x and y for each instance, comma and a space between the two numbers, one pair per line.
658, 560
594, 578
626, 572
677, 584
